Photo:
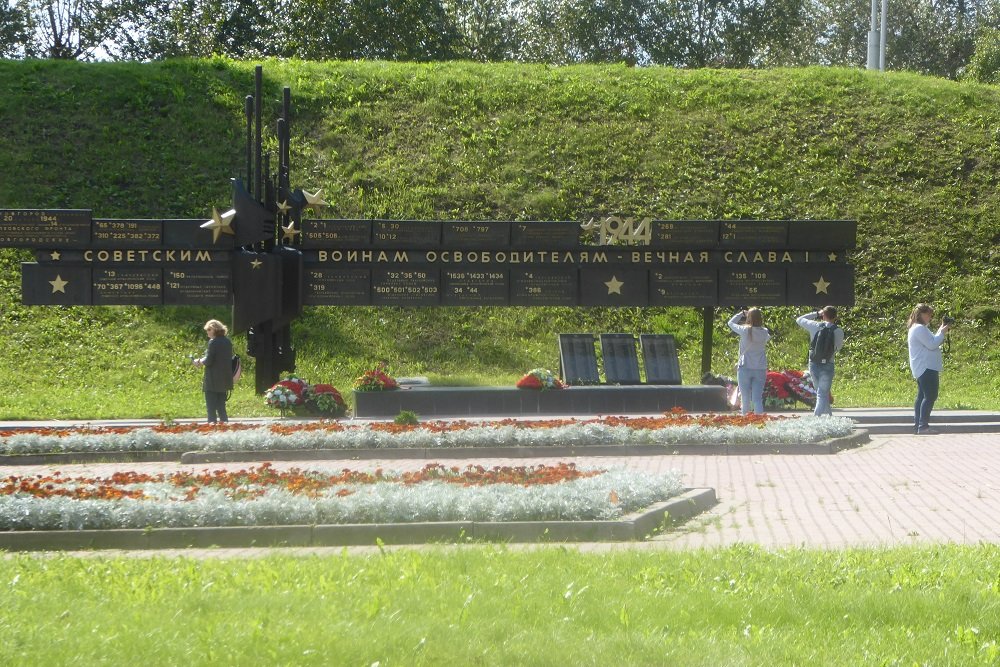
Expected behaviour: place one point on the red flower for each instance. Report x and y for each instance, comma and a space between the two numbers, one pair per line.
529, 381
295, 385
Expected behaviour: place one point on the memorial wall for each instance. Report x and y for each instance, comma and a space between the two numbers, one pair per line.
611, 262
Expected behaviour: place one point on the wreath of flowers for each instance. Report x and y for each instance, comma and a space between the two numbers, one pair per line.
376, 379
286, 394
540, 378
325, 400
783, 388
293, 394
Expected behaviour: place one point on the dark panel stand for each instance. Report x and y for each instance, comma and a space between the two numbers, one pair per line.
578, 359
621, 364
512, 402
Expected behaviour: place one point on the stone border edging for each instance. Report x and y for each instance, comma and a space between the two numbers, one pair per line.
633, 527
90, 457
831, 446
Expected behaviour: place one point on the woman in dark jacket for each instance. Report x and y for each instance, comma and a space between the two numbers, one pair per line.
218, 364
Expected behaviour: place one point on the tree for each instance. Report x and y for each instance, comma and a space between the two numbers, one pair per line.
488, 29
984, 65
200, 28
13, 31
69, 29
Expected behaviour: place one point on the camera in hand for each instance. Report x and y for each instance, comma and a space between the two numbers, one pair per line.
947, 320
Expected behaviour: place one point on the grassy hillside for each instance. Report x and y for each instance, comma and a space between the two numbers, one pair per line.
913, 159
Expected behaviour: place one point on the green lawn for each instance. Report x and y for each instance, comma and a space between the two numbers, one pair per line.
489, 605
913, 159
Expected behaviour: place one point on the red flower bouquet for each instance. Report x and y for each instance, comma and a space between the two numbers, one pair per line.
324, 400
286, 394
540, 378
376, 379
293, 394
783, 388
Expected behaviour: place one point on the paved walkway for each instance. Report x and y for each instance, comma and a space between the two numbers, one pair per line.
898, 490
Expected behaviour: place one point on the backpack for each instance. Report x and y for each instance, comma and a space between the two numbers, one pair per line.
237, 368
821, 347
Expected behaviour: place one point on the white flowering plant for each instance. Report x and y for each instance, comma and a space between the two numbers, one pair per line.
236, 436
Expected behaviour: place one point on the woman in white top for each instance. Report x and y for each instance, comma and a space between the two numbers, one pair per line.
751, 369
926, 363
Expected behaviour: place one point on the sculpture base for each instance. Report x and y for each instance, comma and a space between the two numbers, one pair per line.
512, 402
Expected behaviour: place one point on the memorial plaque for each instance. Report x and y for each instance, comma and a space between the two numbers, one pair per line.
190, 234
197, 285
405, 287
543, 287
689, 234
474, 286
821, 285
753, 234
127, 287
127, 233
613, 286
823, 234
683, 287
659, 356
545, 235
55, 285
34, 228
756, 286
406, 233
335, 234
476, 234
337, 287
129, 256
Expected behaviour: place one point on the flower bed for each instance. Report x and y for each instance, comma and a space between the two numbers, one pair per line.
670, 429
266, 496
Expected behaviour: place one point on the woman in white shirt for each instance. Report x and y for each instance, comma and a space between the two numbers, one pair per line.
751, 368
926, 363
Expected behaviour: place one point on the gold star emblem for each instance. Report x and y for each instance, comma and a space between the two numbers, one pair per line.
220, 224
284, 207
59, 285
821, 286
832, 257
314, 199
256, 264
289, 232
55, 255
614, 285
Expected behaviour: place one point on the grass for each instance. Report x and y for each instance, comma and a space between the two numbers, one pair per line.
913, 159
491, 605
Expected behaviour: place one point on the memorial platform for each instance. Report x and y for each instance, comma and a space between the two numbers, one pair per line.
433, 401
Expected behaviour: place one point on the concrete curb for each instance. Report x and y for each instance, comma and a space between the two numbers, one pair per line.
831, 446
636, 526
55, 458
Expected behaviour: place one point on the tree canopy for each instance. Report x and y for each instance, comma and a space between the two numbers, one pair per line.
936, 37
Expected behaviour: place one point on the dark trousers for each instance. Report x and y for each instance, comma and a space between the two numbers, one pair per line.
927, 393
215, 401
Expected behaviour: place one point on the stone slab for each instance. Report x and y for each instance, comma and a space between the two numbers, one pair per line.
513, 402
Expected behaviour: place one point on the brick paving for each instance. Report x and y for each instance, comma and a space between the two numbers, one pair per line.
897, 490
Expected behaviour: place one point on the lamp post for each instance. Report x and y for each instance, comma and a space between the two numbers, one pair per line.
873, 38
881, 52
876, 37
